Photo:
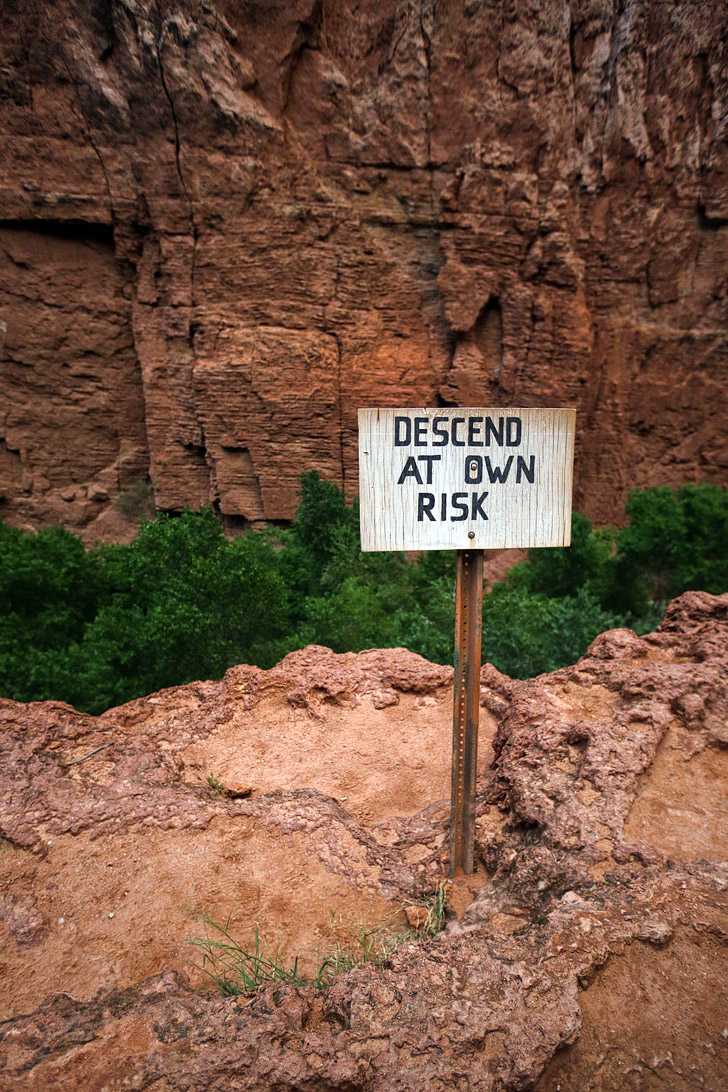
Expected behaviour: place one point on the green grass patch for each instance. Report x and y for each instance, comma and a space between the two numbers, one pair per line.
236, 970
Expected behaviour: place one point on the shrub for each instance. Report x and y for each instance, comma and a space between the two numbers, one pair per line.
527, 634
184, 604
51, 589
97, 629
674, 542
587, 563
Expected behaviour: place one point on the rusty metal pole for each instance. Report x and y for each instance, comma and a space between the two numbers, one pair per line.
466, 712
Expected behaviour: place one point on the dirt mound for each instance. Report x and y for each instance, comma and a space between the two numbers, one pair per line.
309, 827
589, 951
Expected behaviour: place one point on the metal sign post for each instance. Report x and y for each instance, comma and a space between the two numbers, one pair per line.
468, 480
466, 710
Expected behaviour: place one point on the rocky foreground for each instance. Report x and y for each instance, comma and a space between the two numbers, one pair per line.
589, 952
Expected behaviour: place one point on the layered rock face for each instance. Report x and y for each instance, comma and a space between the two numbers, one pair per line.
224, 227
589, 952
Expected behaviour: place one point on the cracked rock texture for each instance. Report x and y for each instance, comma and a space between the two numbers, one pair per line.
590, 951
224, 227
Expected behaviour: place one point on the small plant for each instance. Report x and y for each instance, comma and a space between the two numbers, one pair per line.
235, 971
367, 946
215, 785
427, 917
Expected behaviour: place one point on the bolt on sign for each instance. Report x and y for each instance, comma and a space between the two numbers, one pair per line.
468, 480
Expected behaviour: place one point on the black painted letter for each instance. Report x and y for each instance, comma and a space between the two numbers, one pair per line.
421, 431
429, 459
513, 431
406, 424
498, 473
441, 433
454, 431
410, 470
529, 472
461, 507
425, 504
497, 432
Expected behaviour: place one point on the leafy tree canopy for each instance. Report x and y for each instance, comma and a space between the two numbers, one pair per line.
182, 602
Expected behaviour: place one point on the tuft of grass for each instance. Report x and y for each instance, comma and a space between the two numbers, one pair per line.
366, 946
435, 911
215, 785
235, 970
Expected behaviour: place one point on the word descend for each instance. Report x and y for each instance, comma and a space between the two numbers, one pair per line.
466, 479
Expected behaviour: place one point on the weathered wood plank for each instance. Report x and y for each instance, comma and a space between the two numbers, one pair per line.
445, 479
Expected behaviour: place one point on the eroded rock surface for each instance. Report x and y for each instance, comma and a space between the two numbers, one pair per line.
313, 829
591, 953
225, 227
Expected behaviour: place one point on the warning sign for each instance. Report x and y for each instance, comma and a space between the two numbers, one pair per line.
464, 479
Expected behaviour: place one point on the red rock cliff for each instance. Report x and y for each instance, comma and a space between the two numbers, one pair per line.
224, 227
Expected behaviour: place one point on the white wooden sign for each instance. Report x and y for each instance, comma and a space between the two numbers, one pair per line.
465, 479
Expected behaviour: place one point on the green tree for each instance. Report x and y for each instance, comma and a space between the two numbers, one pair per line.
526, 634
587, 563
50, 589
321, 517
674, 542
49, 584
185, 603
